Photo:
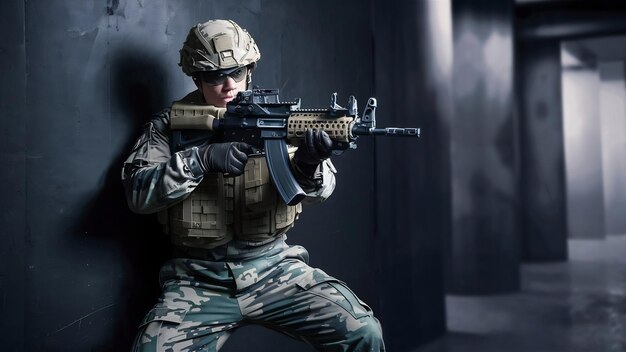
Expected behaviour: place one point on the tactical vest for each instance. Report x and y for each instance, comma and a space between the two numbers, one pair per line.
220, 209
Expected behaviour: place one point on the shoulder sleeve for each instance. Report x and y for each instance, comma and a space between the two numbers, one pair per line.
153, 178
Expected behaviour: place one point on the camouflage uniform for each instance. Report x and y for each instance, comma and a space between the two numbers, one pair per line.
208, 293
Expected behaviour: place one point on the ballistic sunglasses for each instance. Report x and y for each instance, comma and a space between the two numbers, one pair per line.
215, 78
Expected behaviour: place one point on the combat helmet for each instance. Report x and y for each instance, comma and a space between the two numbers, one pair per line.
217, 45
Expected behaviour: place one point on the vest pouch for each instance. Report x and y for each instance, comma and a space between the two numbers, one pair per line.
201, 220
286, 215
263, 212
257, 201
258, 188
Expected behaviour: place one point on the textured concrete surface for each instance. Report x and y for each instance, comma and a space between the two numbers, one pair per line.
583, 146
578, 306
484, 244
542, 164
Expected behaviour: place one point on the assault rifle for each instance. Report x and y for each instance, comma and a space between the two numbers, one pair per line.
258, 118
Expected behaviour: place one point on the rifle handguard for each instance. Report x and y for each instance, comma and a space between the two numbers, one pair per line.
338, 129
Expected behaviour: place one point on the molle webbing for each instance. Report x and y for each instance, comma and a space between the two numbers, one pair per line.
220, 209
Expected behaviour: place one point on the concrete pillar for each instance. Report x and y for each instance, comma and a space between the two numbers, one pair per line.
583, 147
613, 134
484, 245
544, 220
413, 58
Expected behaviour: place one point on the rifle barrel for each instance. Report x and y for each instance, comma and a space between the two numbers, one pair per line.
389, 131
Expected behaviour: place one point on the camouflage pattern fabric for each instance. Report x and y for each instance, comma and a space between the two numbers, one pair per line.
205, 301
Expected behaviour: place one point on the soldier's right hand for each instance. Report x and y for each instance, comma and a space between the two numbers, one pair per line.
228, 158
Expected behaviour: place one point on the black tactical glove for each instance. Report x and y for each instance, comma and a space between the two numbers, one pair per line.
228, 158
316, 147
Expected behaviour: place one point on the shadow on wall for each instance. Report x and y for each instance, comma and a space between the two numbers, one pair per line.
138, 86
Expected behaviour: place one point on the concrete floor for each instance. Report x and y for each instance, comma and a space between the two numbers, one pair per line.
576, 306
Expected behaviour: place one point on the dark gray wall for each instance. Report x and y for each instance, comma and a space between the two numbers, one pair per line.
81, 77
484, 245
13, 176
92, 79
413, 65
544, 211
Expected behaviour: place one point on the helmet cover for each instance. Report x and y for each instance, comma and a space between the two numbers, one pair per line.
217, 45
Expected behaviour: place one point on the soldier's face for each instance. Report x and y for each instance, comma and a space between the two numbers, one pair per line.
225, 91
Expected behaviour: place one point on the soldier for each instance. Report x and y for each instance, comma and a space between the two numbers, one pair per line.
231, 263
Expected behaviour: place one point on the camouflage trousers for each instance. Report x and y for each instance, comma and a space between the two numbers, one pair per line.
205, 301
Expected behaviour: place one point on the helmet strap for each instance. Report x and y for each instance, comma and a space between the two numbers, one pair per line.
249, 80
197, 82
251, 67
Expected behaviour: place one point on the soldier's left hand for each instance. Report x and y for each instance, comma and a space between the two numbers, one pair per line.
317, 146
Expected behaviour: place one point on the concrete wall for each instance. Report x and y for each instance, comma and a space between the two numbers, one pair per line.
613, 134
92, 76
484, 245
583, 147
81, 77
13, 135
544, 212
